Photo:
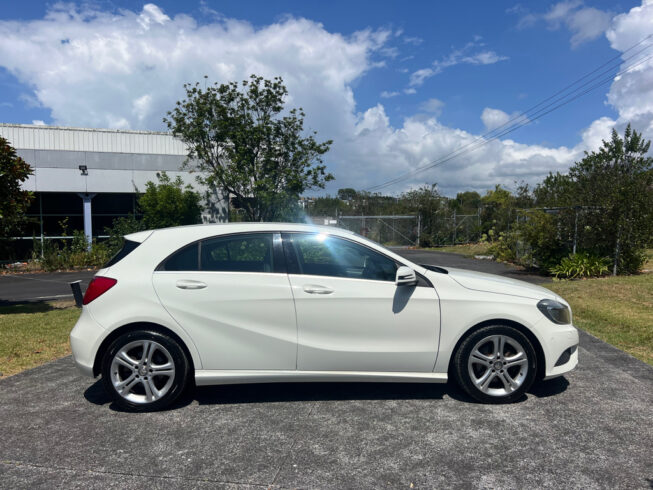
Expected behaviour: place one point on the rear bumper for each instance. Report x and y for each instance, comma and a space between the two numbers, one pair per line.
563, 339
85, 339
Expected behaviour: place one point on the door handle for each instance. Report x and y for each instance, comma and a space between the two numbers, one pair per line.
315, 289
188, 284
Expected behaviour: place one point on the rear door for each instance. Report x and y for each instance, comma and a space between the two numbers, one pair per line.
231, 294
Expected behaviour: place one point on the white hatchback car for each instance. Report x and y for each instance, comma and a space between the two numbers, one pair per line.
270, 302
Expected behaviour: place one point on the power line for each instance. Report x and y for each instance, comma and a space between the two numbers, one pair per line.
482, 140
527, 116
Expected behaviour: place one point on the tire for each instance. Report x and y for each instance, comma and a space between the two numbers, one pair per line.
145, 370
495, 364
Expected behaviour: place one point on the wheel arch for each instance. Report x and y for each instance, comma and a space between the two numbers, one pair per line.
131, 327
539, 351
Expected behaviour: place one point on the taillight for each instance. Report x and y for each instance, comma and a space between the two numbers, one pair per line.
97, 287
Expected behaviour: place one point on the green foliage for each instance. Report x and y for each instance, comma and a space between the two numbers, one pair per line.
506, 246
72, 253
239, 137
14, 201
347, 194
614, 187
581, 265
541, 246
169, 203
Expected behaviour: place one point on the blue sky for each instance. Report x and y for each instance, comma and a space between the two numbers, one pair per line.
480, 56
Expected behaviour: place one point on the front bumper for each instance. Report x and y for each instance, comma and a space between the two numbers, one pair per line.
562, 349
85, 339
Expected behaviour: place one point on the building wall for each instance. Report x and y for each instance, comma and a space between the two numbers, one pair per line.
118, 163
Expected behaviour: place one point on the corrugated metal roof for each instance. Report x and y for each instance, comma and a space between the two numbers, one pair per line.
33, 137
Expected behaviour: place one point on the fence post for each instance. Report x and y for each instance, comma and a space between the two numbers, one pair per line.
480, 231
419, 227
575, 229
454, 227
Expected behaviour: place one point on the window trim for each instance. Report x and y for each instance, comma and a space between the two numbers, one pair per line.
279, 261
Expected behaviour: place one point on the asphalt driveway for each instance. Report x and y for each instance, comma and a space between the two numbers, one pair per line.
16, 288
590, 429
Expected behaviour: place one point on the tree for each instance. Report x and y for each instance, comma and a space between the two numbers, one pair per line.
13, 200
347, 194
612, 190
619, 179
247, 144
169, 203
498, 210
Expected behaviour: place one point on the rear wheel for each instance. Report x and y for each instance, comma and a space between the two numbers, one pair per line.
495, 364
144, 370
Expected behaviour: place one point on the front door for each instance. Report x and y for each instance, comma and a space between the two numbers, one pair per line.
231, 294
350, 314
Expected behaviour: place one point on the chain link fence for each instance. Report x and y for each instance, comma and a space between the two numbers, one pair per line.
392, 231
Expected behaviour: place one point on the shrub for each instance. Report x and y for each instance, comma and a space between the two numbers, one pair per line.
581, 265
506, 247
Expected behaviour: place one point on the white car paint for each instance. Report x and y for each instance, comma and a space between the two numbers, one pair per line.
257, 327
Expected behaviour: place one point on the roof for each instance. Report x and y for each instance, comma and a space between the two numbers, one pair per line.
204, 230
41, 137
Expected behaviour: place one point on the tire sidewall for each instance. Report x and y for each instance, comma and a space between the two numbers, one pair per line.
464, 351
178, 356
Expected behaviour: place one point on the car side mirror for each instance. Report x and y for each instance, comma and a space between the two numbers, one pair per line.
405, 276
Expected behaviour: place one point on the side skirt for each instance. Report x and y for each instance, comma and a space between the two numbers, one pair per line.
219, 377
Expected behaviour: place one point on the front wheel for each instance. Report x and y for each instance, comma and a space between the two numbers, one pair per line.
144, 370
495, 364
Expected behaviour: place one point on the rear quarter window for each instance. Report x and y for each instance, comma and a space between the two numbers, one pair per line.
127, 248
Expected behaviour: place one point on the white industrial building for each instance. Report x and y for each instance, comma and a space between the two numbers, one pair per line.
92, 176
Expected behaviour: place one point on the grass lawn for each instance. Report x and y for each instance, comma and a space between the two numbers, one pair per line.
618, 310
34, 333
467, 249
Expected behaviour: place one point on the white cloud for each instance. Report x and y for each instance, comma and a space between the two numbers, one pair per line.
433, 106
631, 94
415, 41
494, 118
584, 23
125, 69
473, 53
38, 122
387, 95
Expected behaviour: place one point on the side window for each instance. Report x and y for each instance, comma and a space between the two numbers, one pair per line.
185, 259
238, 253
324, 255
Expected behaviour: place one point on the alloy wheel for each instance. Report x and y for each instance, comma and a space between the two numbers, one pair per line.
498, 365
142, 371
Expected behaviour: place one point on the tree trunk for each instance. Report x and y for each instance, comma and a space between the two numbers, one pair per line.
616, 253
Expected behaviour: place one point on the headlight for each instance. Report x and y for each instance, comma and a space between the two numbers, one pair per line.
555, 311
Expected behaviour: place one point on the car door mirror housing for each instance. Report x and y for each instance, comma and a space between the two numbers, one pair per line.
406, 276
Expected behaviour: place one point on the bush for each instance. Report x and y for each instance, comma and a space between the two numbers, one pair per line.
71, 254
506, 247
581, 265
